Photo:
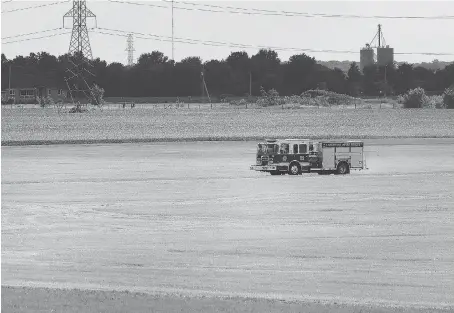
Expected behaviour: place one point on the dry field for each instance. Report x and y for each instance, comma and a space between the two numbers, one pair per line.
188, 227
34, 126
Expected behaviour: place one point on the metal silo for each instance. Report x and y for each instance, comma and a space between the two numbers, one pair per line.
385, 55
366, 57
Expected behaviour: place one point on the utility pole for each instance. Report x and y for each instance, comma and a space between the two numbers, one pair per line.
386, 82
173, 48
9, 81
379, 35
204, 88
9, 88
250, 84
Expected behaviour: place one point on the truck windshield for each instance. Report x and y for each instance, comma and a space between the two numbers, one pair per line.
264, 149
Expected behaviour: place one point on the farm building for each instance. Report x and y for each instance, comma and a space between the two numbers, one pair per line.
29, 88
31, 94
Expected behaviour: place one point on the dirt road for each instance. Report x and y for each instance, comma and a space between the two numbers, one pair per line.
191, 219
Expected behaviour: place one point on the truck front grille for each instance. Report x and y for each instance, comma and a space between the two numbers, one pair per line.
264, 160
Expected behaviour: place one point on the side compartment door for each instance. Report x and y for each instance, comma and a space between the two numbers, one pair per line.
328, 158
357, 157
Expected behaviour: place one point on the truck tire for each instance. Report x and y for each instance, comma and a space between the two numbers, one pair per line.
294, 169
342, 168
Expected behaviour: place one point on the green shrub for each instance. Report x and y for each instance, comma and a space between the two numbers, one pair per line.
46, 101
329, 98
78, 109
434, 102
269, 98
242, 102
448, 98
97, 95
415, 98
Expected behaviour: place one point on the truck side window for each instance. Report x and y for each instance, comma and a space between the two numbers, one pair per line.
295, 149
303, 148
284, 148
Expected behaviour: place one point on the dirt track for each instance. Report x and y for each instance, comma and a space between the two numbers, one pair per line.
191, 219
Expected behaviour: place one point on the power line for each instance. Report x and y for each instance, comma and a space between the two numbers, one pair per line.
292, 13
34, 38
33, 33
36, 6
253, 11
239, 45
211, 43
202, 42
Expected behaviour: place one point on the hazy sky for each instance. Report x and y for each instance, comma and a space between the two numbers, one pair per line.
404, 35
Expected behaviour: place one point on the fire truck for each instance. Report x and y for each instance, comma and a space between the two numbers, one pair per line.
297, 156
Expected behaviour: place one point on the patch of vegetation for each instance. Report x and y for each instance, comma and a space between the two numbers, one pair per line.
448, 98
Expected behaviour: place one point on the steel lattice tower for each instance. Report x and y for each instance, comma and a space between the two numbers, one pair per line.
130, 50
80, 79
80, 41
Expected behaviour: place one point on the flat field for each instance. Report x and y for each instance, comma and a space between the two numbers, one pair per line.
188, 227
32, 126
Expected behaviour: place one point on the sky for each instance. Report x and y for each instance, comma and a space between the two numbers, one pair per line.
155, 18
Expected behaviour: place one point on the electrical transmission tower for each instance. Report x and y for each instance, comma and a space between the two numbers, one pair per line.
80, 54
130, 50
80, 43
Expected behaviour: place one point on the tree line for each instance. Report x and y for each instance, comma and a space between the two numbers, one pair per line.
155, 75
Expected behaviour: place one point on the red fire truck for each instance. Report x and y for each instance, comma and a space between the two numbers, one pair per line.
297, 156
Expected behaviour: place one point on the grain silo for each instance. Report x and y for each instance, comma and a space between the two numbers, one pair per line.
385, 55
366, 57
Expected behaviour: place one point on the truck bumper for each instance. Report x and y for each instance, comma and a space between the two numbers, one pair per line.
265, 168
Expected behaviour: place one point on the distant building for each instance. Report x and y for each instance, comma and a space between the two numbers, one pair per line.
366, 57
385, 55
31, 94
30, 89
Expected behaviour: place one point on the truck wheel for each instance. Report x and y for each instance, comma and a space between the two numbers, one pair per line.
294, 169
342, 168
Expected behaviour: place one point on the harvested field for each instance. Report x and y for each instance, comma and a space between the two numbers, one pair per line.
37, 126
188, 227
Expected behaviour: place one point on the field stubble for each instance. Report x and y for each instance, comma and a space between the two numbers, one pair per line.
34, 126
136, 217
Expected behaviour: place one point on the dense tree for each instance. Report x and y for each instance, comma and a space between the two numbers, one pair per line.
297, 74
155, 75
354, 74
354, 78
370, 81
241, 75
406, 79
265, 69
217, 77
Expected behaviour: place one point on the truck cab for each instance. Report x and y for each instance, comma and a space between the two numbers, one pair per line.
283, 156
